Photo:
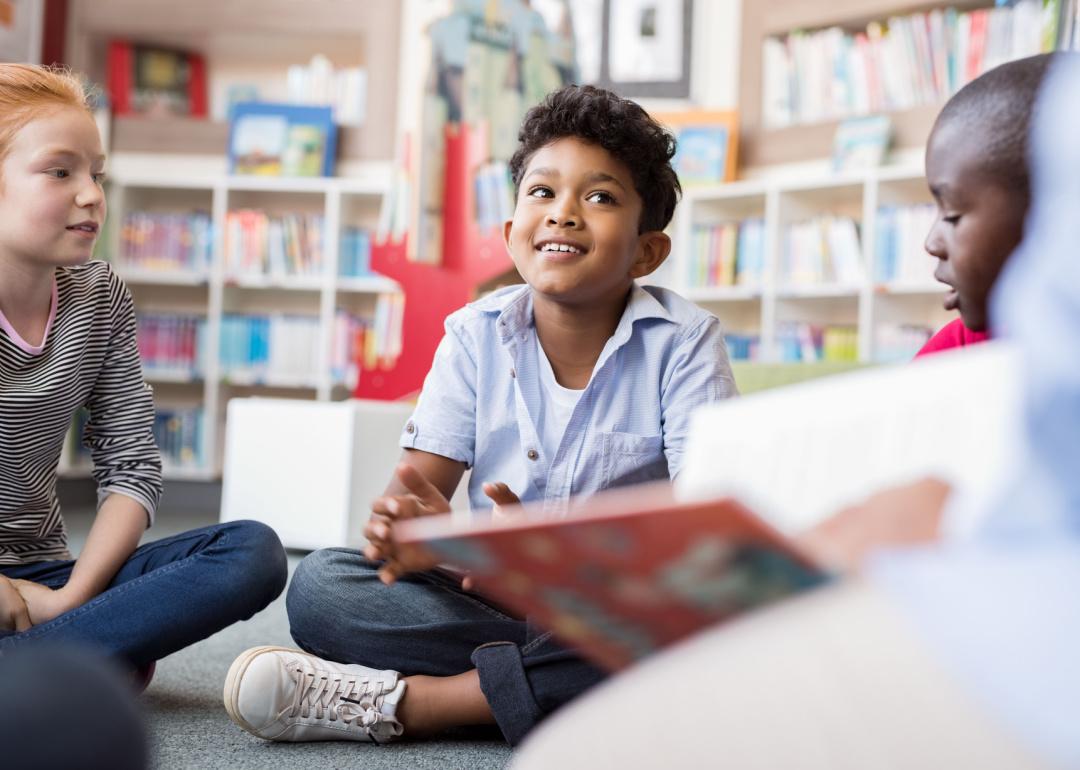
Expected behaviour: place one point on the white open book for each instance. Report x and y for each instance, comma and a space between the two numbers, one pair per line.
800, 453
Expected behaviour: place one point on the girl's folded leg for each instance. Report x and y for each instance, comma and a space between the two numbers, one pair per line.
173, 592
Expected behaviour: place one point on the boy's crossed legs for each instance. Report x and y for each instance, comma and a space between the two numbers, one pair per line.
462, 660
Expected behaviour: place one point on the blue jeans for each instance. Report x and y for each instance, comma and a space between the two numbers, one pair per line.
167, 595
425, 624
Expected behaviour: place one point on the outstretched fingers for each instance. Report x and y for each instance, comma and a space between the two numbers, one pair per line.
425, 492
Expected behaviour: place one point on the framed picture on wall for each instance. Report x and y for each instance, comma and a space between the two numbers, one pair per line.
708, 144
645, 46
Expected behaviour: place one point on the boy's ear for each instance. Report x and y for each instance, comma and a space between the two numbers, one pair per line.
653, 248
507, 226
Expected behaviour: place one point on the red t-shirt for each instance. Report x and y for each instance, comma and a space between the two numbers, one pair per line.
952, 335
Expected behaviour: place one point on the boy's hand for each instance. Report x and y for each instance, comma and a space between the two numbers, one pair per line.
42, 602
14, 615
423, 499
901, 516
501, 495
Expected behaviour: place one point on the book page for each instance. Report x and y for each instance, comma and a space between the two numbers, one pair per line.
798, 454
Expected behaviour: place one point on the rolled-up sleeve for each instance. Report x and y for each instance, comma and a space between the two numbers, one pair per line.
444, 422
699, 374
120, 431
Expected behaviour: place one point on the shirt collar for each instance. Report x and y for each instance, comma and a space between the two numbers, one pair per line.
513, 307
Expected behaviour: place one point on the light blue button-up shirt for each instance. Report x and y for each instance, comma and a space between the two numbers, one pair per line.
482, 400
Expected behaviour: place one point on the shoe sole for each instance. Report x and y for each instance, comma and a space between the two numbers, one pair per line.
231, 693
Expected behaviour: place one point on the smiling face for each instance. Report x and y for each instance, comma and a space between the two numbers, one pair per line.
52, 205
574, 236
980, 221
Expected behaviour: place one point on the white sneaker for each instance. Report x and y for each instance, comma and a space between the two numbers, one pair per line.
288, 695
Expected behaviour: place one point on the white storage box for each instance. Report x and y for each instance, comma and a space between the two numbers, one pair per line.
309, 469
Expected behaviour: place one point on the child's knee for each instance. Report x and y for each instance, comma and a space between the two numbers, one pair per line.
326, 582
264, 569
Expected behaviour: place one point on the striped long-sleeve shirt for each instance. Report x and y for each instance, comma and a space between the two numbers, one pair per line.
88, 357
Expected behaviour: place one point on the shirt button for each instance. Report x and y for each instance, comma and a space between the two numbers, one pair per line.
409, 427
532, 454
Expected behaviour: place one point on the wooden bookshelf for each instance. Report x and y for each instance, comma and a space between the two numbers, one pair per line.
191, 136
759, 146
242, 36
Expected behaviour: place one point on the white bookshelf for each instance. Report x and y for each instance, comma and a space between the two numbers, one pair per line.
214, 293
760, 310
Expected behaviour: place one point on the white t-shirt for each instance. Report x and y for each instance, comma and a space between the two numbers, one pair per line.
558, 405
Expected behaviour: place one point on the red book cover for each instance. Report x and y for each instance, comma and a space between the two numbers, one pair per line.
119, 77
156, 81
626, 572
977, 42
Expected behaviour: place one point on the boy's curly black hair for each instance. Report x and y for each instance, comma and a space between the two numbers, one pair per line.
621, 127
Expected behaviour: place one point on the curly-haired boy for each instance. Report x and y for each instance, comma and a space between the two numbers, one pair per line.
576, 382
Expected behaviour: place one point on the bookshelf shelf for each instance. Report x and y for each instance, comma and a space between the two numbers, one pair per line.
284, 283
184, 473
878, 313
368, 284
196, 136
729, 294
899, 288
162, 277
171, 377
824, 291
243, 380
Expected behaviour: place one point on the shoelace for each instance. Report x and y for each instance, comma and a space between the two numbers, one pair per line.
353, 699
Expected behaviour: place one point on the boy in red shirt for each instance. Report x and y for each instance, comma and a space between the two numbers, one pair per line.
977, 170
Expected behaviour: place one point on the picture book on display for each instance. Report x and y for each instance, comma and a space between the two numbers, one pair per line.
628, 572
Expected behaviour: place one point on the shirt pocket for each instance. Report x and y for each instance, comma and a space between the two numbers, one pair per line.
630, 459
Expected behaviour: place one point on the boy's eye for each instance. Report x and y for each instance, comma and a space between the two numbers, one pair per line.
951, 219
99, 177
540, 192
59, 173
600, 196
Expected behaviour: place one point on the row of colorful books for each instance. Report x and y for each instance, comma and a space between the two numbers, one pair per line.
743, 347
728, 254
179, 435
178, 432
920, 58
824, 250
899, 252
899, 342
155, 241
809, 342
320, 82
366, 344
258, 243
354, 252
265, 348
171, 344
259, 348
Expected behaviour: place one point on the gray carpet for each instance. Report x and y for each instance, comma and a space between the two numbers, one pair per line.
188, 724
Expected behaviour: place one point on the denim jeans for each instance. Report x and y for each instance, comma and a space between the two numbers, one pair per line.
425, 624
167, 595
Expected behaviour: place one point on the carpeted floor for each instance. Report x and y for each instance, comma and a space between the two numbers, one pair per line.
188, 724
